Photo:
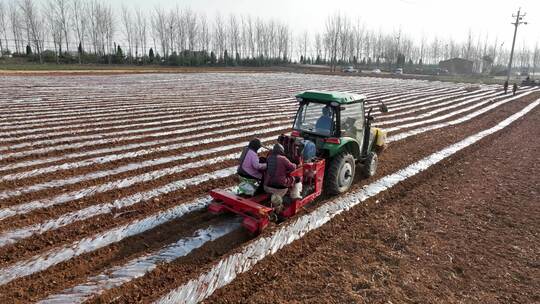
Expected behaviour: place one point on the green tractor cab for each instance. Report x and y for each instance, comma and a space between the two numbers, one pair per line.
340, 130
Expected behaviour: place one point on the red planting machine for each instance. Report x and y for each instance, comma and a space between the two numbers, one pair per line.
256, 210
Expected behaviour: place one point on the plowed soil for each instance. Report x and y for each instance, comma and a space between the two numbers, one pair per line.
466, 231
352, 259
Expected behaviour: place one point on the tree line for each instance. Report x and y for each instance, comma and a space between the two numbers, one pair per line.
91, 31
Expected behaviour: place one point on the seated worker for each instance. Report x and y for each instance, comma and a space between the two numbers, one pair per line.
277, 179
324, 123
310, 150
250, 168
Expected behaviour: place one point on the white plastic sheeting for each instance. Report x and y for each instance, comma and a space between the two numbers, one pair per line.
136, 268
95, 210
125, 168
112, 140
58, 255
183, 128
462, 119
9, 237
228, 268
161, 145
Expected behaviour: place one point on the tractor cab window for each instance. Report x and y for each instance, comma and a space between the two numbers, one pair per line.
352, 120
315, 118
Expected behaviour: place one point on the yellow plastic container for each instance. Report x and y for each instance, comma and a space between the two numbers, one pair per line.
381, 137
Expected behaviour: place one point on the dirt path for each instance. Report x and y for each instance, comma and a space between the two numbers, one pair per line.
466, 231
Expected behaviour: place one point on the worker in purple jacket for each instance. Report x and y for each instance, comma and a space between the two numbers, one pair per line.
250, 165
279, 169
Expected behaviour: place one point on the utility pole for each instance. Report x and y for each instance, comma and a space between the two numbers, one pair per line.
519, 18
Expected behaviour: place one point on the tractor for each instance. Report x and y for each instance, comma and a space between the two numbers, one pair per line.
331, 136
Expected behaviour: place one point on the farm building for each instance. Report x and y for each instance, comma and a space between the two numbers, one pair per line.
457, 66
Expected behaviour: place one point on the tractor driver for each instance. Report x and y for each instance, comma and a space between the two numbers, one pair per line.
324, 123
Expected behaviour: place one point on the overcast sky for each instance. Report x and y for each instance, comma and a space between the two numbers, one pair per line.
451, 18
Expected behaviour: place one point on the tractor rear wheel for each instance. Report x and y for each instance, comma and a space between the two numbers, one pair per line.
340, 174
370, 165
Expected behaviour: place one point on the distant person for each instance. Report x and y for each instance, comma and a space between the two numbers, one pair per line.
514, 89
505, 86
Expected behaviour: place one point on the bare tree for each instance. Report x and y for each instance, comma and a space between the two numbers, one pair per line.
234, 34
80, 22
94, 10
128, 29
249, 36
358, 36
318, 48
16, 26
191, 25
333, 32
54, 26
171, 29
204, 34
435, 51
536, 59
92, 25
159, 29
101, 21
284, 42
62, 11
141, 34
177, 23
109, 28
3, 27
303, 43
220, 35
34, 25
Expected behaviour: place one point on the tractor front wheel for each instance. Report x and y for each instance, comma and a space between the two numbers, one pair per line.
370, 165
340, 174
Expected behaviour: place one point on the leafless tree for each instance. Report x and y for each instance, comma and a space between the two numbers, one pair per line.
220, 35
171, 29
101, 21
109, 28
249, 35
34, 25
93, 25
141, 33
204, 33
284, 42
191, 26
17, 26
79, 15
435, 50
54, 26
304, 44
318, 46
3, 27
160, 30
536, 59
234, 34
128, 29
334, 25
61, 11
177, 23
358, 37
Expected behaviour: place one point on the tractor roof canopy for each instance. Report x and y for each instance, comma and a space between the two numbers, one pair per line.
328, 97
